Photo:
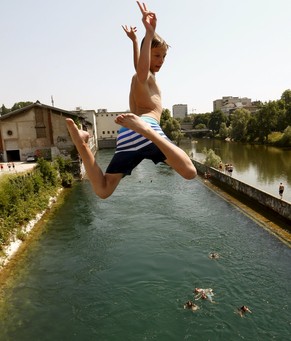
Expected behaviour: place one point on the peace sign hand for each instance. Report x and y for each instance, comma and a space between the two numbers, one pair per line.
149, 18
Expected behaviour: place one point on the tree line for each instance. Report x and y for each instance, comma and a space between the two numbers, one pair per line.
16, 106
269, 124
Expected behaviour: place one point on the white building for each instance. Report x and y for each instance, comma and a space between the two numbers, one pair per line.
107, 129
228, 104
180, 110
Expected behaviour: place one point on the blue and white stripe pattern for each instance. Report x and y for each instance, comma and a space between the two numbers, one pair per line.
128, 140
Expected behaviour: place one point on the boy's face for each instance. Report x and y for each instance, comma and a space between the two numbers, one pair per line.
158, 55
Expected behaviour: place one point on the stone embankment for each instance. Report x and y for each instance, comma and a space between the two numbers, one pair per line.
265, 200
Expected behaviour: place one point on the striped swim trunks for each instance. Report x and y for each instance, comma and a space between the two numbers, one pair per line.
132, 148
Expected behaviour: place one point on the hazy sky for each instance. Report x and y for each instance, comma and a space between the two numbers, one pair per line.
77, 51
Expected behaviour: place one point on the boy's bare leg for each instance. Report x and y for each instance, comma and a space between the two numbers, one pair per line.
175, 156
103, 184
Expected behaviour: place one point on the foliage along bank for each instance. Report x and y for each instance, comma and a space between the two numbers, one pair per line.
23, 196
270, 124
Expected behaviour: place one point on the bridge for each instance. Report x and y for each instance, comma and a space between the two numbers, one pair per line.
195, 132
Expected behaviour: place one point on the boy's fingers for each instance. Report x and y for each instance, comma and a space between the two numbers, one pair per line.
140, 6
143, 7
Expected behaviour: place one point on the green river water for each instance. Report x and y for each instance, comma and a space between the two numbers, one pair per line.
122, 269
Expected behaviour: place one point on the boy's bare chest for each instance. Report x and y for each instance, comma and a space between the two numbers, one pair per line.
149, 88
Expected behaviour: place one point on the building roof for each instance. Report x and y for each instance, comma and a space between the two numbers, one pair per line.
38, 104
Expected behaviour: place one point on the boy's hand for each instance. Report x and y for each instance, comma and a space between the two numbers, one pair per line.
149, 18
130, 32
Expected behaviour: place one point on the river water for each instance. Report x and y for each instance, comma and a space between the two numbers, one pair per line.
263, 167
122, 269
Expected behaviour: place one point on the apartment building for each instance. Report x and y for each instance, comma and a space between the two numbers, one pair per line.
228, 104
180, 111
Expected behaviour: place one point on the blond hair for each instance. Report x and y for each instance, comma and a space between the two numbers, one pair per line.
157, 41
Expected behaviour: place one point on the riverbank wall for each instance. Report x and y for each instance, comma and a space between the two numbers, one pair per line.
264, 200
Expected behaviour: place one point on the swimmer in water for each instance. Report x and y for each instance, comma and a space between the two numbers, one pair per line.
213, 255
205, 294
243, 310
191, 305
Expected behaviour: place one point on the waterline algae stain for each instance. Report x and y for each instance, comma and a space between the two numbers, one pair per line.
122, 269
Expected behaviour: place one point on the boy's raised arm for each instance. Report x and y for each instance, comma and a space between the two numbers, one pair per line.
130, 32
149, 20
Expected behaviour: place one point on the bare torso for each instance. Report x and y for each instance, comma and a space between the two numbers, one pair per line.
145, 98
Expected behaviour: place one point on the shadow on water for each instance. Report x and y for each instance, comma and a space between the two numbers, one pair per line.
122, 269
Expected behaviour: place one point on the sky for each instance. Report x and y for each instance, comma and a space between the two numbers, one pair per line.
77, 52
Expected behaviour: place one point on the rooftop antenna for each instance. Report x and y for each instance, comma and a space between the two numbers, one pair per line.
52, 99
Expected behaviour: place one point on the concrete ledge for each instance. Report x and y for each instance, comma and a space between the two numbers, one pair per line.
266, 200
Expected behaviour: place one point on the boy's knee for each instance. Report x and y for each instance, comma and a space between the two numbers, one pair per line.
103, 195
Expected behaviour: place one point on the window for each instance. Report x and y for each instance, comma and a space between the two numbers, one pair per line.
40, 132
39, 123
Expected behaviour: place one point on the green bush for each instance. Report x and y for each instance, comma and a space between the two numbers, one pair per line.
67, 179
211, 160
22, 196
48, 173
275, 137
285, 140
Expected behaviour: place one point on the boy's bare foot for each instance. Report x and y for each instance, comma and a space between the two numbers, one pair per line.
77, 135
134, 122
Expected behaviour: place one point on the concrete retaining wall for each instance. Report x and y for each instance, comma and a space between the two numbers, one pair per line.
106, 143
279, 206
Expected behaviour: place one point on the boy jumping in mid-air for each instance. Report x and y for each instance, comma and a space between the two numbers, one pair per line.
140, 136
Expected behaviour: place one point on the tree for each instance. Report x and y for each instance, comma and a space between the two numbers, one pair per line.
171, 126
216, 118
239, 122
4, 110
286, 138
286, 99
20, 105
201, 119
187, 119
252, 128
211, 160
200, 126
166, 115
224, 131
267, 119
